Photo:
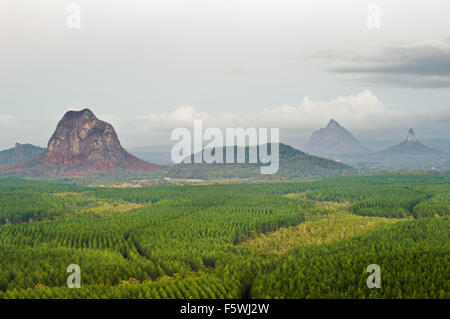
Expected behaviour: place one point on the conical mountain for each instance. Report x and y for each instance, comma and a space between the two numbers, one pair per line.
411, 146
333, 140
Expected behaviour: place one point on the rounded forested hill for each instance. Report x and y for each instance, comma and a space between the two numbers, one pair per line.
19, 153
293, 163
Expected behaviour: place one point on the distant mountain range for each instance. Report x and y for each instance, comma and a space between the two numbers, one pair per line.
84, 145
336, 142
158, 154
376, 145
333, 140
409, 154
19, 153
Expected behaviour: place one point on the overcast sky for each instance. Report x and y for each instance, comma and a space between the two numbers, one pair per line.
149, 66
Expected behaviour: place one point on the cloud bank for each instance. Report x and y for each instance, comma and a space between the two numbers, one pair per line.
362, 113
424, 66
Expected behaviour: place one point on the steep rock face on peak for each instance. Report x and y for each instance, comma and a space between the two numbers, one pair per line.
333, 140
82, 144
411, 137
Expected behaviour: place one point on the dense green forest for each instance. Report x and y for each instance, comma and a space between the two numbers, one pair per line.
311, 239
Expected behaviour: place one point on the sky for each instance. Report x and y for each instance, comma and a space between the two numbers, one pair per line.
150, 66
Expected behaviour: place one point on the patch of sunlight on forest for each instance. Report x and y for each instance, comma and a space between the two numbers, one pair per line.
326, 229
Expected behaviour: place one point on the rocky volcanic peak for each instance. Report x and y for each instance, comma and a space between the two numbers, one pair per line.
411, 146
411, 137
333, 125
84, 144
333, 140
81, 136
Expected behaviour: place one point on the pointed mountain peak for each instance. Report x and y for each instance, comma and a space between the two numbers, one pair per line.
332, 124
411, 137
411, 147
333, 140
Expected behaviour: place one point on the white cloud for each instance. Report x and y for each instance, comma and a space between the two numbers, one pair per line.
362, 113
353, 111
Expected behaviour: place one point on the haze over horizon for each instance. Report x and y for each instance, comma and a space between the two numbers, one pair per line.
149, 67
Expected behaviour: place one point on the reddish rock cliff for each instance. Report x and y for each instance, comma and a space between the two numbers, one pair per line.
82, 144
